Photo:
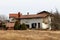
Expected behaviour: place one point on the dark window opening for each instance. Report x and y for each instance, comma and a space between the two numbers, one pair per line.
38, 25
34, 25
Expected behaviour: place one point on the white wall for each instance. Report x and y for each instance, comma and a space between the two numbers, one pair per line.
37, 20
30, 21
45, 26
12, 19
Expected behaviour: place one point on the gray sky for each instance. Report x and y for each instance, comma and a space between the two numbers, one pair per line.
24, 6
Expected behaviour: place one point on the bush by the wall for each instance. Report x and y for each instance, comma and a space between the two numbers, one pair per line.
4, 26
17, 25
23, 27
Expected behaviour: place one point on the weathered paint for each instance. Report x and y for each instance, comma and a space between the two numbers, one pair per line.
37, 20
30, 21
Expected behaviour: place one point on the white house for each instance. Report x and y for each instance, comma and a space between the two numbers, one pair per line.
40, 20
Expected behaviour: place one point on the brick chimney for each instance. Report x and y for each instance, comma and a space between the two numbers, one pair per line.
19, 15
27, 13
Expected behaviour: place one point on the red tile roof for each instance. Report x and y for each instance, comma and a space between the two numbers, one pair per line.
13, 15
42, 14
34, 16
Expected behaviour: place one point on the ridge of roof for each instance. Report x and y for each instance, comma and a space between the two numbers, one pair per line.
41, 14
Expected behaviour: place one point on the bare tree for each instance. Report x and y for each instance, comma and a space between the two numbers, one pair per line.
56, 21
3, 18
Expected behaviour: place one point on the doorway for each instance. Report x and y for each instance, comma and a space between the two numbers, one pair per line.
38, 25
34, 25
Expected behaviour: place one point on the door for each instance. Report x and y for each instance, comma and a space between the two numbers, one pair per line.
34, 25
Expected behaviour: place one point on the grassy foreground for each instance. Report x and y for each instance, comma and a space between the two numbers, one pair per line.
29, 35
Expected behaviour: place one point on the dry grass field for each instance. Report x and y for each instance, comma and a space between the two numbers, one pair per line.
29, 35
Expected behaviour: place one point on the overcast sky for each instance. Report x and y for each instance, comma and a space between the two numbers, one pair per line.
31, 6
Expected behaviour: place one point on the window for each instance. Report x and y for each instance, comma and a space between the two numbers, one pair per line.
34, 25
38, 25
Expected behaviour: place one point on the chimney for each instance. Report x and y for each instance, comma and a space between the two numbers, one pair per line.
18, 14
27, 13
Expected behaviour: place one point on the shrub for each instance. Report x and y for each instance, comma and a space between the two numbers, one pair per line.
23, 27
17, 25
4, 26
54, 26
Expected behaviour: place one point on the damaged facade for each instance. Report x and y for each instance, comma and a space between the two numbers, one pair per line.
40, 20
